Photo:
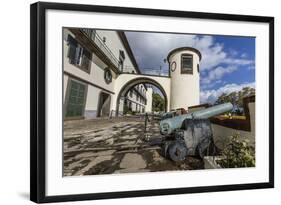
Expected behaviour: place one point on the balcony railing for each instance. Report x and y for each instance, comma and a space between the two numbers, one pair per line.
101, 45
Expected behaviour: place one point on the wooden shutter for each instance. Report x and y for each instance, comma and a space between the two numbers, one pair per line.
72, 43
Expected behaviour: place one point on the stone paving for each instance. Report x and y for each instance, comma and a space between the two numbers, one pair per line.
118, 145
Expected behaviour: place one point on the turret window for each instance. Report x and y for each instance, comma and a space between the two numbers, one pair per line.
186, 64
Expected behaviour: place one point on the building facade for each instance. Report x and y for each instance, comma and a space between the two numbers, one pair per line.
136, 99
102, 78
93, 60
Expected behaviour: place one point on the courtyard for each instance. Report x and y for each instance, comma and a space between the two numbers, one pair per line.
117, 145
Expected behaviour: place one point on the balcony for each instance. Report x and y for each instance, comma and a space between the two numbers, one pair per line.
97, 40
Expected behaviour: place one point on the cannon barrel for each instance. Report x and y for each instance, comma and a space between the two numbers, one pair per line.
167, 126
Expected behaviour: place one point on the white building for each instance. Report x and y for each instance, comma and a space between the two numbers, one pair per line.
93, 59
148, 107
102, 78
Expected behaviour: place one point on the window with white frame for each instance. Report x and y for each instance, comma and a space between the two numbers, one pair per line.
187, 64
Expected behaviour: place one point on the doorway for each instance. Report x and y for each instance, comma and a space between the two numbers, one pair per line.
104, 105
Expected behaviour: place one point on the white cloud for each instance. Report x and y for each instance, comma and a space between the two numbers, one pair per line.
238, 61
150, 49
211, 85
233, 52
212, 53
211, 96
244, 55
217, 73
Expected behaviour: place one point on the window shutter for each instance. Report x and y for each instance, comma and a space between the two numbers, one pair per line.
122, 54
78, 54
72, 43
87, 54
86, 58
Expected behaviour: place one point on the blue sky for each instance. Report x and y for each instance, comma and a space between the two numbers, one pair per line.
228, 62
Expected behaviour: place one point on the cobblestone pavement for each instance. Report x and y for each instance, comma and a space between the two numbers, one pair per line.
117, 145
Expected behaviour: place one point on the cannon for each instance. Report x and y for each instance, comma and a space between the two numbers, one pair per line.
167, 126
190, 134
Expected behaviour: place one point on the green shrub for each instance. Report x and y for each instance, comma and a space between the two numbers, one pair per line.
237, 154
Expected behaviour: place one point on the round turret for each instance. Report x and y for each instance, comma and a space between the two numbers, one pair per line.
184, 71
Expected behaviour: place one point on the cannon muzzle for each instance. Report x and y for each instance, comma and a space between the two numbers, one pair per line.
167, 126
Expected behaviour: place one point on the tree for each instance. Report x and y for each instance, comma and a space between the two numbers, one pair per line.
158, 102
236, 97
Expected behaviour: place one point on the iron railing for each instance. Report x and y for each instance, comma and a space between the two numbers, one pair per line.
98, 41
90, 33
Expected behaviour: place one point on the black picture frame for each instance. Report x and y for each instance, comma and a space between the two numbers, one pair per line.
38, 101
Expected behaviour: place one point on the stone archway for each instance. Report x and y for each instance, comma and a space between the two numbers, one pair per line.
162, 83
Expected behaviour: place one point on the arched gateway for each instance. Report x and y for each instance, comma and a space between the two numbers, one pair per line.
126, 81
180, 89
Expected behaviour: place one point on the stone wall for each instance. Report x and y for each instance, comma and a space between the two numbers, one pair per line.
224, 128
222, 134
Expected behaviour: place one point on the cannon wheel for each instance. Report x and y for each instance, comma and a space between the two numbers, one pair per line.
177, 151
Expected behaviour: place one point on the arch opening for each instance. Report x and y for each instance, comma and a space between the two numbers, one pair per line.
132, 83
